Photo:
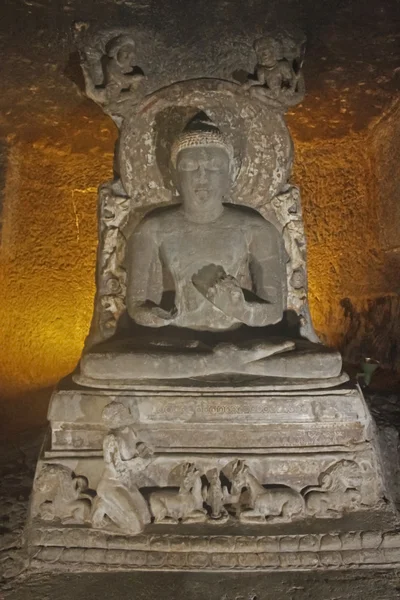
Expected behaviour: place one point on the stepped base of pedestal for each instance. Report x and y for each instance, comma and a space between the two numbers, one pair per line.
327, 545
236, 478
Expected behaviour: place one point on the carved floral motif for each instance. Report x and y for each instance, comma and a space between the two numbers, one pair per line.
111, 286
287, 214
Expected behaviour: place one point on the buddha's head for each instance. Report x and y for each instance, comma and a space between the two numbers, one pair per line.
203, 162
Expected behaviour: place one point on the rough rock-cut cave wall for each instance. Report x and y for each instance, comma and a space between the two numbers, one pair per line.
56, 147
372, 317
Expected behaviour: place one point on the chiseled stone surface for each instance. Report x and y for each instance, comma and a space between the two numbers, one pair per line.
344, 583
230, 417
306, 418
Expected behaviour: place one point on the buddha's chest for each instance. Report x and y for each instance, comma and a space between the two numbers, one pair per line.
184, 252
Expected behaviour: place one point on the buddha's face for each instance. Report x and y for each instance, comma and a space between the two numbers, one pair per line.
203, 177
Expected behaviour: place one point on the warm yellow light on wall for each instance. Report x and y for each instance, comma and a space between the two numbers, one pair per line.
47, 262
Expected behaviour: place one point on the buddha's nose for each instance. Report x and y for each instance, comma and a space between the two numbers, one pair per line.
201, 174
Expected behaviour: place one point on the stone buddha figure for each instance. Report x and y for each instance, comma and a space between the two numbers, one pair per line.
206, 281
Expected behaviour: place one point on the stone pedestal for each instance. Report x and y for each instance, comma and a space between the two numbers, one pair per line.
312, 456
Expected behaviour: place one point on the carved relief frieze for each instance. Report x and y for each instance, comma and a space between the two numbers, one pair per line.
119, 503
59, 494
114, 210
113, 77
278, 80
196, 494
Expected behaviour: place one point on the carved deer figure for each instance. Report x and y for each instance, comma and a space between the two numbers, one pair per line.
281, 502
184, 504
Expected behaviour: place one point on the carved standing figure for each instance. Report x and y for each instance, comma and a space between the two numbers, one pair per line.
281, 503
118, 500
186, 504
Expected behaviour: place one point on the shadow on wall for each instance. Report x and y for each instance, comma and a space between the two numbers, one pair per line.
372, 328
23, 411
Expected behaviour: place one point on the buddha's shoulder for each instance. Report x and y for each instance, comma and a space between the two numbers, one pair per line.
161, 219
246, 217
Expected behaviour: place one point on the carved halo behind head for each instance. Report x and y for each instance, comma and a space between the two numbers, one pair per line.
261, 145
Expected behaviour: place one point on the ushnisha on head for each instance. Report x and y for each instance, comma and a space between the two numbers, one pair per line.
203, 162
200, 132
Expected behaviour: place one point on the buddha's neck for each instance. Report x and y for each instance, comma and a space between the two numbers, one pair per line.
202, 214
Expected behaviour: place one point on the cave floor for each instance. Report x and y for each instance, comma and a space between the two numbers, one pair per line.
376, 585
17, 464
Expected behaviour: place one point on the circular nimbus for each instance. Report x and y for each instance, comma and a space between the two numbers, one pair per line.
262, 144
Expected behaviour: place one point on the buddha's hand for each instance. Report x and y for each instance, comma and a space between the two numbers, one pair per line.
222, 290
226, 294
152, 315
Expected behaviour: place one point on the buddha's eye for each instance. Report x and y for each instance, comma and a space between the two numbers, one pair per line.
187, 165
214, 165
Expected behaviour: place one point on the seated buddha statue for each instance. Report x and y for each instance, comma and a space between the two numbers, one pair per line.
206, 283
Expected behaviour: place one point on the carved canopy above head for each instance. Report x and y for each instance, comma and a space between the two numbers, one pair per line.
262, 144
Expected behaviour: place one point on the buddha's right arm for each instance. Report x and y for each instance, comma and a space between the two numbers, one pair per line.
145, 279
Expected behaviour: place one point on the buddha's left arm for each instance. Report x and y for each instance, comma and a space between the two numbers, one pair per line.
268, 270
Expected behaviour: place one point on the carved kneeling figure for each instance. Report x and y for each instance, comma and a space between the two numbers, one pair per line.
186, 504
282, 504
